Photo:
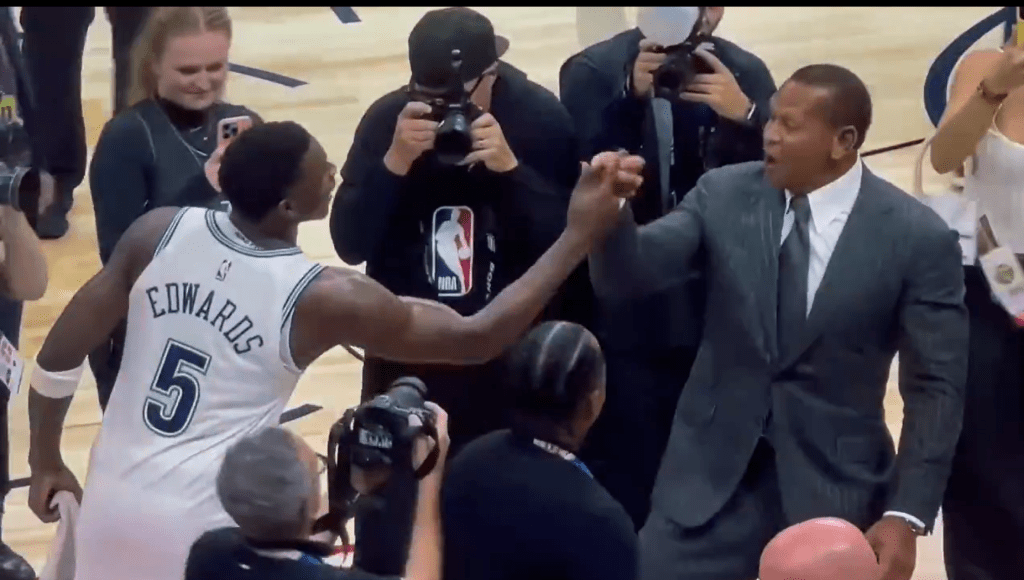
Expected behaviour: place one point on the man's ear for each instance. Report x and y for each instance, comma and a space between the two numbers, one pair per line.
845, 142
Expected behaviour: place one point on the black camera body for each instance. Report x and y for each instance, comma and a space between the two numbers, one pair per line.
19, 185
377, 434
380, 434
454, 112
679, 68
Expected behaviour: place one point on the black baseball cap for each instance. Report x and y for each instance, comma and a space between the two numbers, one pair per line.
439, 32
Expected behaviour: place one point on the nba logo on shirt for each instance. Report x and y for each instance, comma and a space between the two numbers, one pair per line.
452, 251
222, 272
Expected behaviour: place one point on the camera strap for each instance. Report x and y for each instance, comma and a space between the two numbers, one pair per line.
566, 455
431, 460
661, 117
339, 500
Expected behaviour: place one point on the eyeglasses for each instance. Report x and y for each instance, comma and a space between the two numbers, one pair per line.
433, 98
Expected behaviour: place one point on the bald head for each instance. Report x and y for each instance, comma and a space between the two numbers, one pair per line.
820, 549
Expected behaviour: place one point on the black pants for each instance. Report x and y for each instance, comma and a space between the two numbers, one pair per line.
10, 325
384, 534
983, 510
625, 446
53, 47
729, 546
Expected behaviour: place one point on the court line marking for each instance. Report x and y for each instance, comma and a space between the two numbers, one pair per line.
346, 14
891, 148
939, 72
265, 75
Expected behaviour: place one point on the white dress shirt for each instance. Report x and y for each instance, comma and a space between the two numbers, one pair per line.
830, 209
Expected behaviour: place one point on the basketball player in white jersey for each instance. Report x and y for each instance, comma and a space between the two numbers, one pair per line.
223, 314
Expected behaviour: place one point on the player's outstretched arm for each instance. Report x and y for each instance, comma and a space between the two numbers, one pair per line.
344, 307
88, 320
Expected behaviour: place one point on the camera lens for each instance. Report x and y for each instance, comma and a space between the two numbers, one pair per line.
408, 392
452, 142
674, 74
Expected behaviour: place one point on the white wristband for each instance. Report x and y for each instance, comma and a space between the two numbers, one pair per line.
57, 385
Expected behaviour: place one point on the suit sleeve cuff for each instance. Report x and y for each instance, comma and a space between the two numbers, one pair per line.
915, 522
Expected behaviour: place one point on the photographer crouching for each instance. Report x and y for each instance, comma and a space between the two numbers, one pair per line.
270, 485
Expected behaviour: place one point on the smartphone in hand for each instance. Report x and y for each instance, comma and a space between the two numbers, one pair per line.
228, 129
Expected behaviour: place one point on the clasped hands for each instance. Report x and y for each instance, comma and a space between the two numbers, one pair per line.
603, 187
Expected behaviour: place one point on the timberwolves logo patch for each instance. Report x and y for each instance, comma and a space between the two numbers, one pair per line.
451, 256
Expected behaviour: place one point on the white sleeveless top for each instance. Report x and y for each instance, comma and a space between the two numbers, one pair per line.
207, 361
997, 183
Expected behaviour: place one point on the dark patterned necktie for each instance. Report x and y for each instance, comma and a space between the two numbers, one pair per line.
794, 263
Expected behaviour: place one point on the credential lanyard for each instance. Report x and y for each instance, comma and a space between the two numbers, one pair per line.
570, 457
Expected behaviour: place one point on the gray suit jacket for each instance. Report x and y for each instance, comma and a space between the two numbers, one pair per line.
894, 283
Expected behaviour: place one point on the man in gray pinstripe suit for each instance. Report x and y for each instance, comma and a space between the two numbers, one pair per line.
818, 272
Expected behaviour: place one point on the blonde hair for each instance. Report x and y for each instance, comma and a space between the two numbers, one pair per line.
163, 24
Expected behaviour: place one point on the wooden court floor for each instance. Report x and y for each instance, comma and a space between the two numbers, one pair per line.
346, 67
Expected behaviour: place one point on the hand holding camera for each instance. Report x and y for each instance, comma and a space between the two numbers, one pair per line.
644, 66
717, 89
395, 432
425, 445
687, 70
414, 134
489, 146
27, 191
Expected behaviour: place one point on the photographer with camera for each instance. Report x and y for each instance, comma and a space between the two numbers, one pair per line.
23, 276
453, 186
687, 101
270, 485
518, 503
26, 192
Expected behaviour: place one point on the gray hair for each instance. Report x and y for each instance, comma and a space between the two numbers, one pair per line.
265, 487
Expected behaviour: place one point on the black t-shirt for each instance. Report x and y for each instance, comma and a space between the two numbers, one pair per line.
512, 510
224, 555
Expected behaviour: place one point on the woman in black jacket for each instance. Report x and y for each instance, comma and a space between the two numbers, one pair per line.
157, 151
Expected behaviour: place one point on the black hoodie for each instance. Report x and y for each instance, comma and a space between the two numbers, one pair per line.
403, 227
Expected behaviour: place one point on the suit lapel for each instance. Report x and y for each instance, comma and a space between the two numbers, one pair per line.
852, 262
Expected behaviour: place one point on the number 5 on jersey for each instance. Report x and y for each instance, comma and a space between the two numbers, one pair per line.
174, 394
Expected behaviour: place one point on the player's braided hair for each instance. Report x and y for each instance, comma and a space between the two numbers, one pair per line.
261, 164
552, 370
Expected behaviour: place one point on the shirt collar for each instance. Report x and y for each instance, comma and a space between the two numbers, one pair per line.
292, 550
830, 201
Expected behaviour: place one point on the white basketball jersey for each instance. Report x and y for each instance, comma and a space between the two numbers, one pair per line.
206, 361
